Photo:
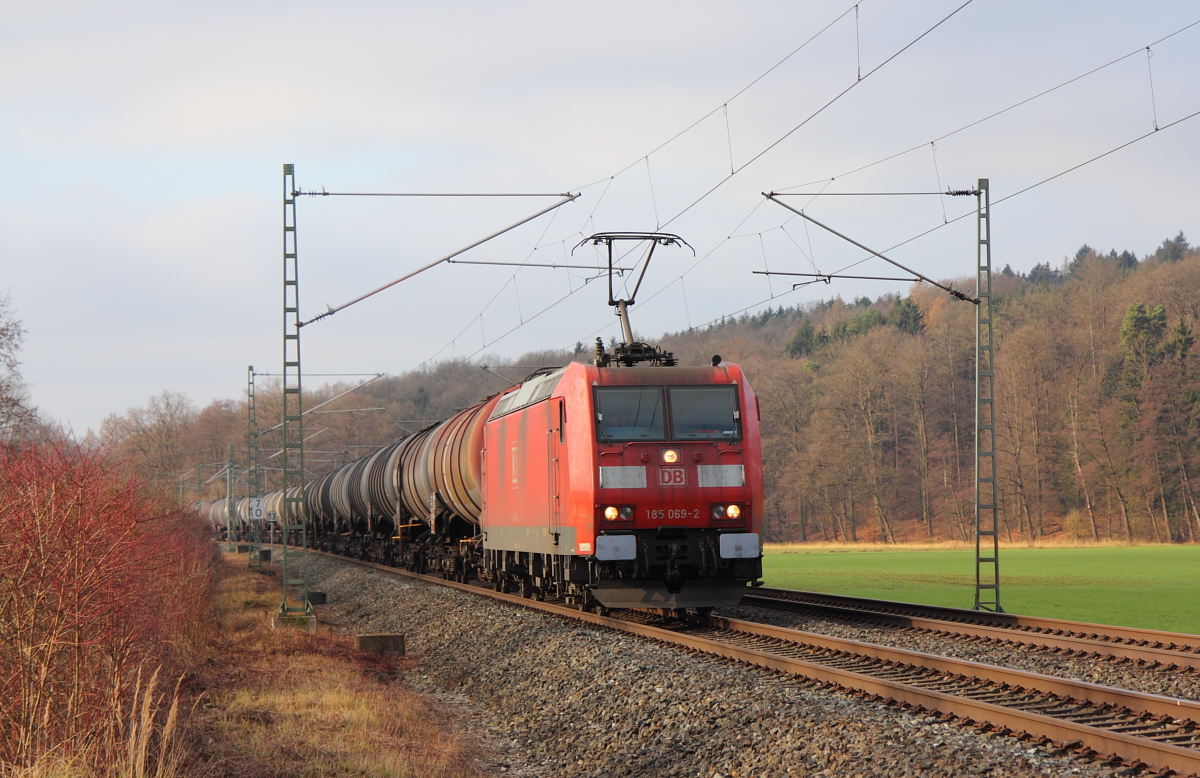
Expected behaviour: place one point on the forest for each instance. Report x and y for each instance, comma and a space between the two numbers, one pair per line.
867, 407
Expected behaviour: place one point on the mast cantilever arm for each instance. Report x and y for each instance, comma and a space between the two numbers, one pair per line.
950, 290
331, 311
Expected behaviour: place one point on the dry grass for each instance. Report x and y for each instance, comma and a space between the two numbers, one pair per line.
148, 748
287, 702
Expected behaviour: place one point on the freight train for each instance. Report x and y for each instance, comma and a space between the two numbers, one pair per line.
629, 482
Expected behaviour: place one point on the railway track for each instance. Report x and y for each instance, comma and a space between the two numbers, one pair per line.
1170, 650
1122, 727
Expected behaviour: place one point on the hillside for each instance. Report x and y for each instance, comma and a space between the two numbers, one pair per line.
867, 407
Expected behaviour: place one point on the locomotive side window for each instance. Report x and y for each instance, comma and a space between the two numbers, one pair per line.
704, 413
628, 413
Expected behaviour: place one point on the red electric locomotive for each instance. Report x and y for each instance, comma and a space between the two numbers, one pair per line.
625, 487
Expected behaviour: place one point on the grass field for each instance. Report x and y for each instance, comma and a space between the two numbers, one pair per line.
1155, 587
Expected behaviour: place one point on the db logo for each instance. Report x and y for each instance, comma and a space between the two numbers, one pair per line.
671, 476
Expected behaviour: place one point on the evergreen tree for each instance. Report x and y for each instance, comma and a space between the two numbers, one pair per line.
907, 317
1172, 249
803, 341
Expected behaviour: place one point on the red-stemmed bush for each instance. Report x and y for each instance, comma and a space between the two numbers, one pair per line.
98, 576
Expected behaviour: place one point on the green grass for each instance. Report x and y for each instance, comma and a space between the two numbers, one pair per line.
1154, 587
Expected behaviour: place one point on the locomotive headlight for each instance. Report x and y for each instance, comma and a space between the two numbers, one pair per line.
733, 512
618, 513
670, 456
718, 511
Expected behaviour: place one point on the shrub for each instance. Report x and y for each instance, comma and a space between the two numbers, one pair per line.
97, 574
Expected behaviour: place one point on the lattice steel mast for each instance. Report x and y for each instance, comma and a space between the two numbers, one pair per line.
293, 564
230, 502
987, 530
256, 521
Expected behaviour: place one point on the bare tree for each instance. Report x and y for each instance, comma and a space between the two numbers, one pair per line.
16, 414
153, 437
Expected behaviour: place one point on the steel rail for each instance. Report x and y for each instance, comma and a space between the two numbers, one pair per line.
1166, 718
1133, 643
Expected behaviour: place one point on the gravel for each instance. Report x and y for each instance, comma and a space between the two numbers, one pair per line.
552, 698
1171, 683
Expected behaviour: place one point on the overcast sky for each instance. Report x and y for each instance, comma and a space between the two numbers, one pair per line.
142, 144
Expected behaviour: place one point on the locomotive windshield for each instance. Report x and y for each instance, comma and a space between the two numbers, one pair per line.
704, 413
637, 413
630, 414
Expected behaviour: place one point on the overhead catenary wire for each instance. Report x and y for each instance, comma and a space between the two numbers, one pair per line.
511, 280
1022, 191
728, 135
827, 277
937, 227
723, 106
1018, 104
1150, 71
737, 94
323, 193
618, 270
764, 151
860, 194
948, 221
815, 114
686, 308
783, 229
938, 174
322, 375
608, 180
653, 200
327, 402
857, 44
922, 234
